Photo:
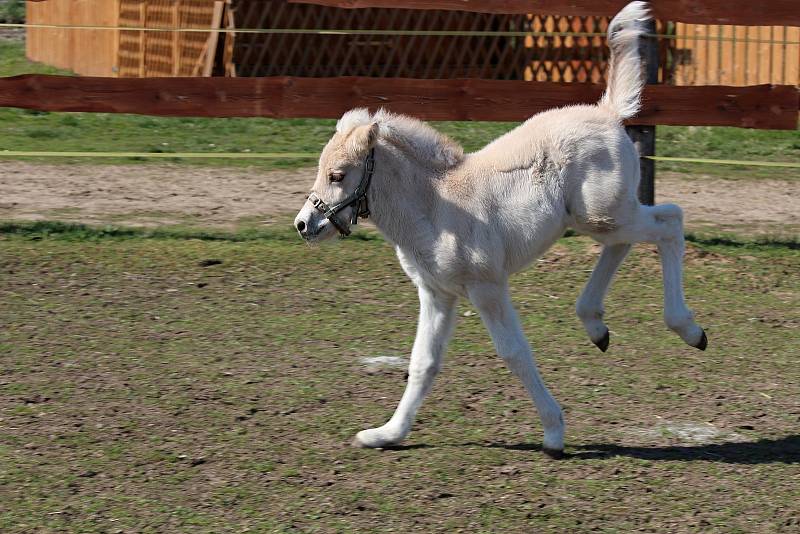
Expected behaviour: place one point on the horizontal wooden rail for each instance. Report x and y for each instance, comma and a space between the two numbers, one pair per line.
761, 106
741, 12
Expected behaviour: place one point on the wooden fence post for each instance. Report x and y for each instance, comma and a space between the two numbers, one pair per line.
644, 137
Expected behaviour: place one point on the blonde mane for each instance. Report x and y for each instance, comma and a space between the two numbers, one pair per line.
414, 137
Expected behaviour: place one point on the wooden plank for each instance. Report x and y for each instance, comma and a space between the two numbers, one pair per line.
230, 40
66, 48
742, 12
213, 38
143, 39
176, 38
738, 57
765, 106
739, 53
115, 6
792, 59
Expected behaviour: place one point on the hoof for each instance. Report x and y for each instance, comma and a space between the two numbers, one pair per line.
555, 454
602, 343
356, 443
703, 343
371, 439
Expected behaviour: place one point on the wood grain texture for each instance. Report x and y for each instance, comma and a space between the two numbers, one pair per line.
89, 52
763, 106
743, 12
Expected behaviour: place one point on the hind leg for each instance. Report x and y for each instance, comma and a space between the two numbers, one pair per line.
663, 225
590, 304
677, 315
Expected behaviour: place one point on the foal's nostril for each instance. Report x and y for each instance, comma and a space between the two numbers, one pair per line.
301, 227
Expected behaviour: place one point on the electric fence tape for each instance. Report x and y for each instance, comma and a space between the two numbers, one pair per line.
410, 33
310, 155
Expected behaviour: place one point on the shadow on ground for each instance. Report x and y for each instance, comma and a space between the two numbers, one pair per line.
784, 450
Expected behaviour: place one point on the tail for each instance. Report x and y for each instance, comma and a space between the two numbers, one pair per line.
625, 77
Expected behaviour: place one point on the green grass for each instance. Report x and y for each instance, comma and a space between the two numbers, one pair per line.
37, 131
729, 143
37, 230
13, 61
12, 11
146, 389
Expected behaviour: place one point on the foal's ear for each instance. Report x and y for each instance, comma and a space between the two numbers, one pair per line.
363, 138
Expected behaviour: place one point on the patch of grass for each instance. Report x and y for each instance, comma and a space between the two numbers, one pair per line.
13, 61
729, 143
12, 11
792, 243
101, 132
38, 230
147, 388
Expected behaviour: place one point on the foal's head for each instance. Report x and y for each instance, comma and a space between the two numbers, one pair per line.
342, 171
347, 162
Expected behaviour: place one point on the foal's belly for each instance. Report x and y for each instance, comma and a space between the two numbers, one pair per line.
455, 263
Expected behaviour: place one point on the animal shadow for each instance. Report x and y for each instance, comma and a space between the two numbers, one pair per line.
764, 451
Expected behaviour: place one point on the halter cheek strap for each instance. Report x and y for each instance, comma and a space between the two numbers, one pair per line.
329, 214
359, 198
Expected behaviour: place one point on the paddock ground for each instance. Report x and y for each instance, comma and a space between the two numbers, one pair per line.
210, 381
209, 196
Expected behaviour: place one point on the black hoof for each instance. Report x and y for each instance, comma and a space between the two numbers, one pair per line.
602, 343
555, 454
703, 342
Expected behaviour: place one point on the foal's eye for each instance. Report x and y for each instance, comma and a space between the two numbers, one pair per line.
336, 176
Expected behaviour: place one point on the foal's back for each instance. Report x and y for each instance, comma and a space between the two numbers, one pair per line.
572, 166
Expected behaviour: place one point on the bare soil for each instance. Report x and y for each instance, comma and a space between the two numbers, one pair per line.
151, 195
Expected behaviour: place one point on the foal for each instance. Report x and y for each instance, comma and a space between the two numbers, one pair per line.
462, 223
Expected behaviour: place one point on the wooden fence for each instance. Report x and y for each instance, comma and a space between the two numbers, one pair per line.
465, 99
102, 52
760, 106
689, 54
736, 55
88, 52
154, 54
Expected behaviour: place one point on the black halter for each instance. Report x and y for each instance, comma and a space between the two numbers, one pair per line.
359, 198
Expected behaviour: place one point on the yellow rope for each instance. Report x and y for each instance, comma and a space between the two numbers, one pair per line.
789, 164
441, 33
198, 155
310, 155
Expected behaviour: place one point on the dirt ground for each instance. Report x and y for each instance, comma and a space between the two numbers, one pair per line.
151, 195
145, 388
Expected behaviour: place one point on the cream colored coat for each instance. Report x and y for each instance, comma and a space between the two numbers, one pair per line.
461, 224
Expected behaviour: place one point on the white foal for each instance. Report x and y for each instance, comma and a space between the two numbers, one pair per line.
462, 223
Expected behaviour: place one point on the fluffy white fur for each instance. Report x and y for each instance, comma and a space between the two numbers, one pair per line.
461, 224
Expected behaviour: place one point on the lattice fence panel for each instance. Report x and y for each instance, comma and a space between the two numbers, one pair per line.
550, 58
160, 49
163, 53
131, 43
193, 14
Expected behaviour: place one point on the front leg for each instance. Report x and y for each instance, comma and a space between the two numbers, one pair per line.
436, 320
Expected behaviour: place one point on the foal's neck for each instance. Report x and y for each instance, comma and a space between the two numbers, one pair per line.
402, 200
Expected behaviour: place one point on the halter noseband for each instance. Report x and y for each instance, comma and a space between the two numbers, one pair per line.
359, 198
